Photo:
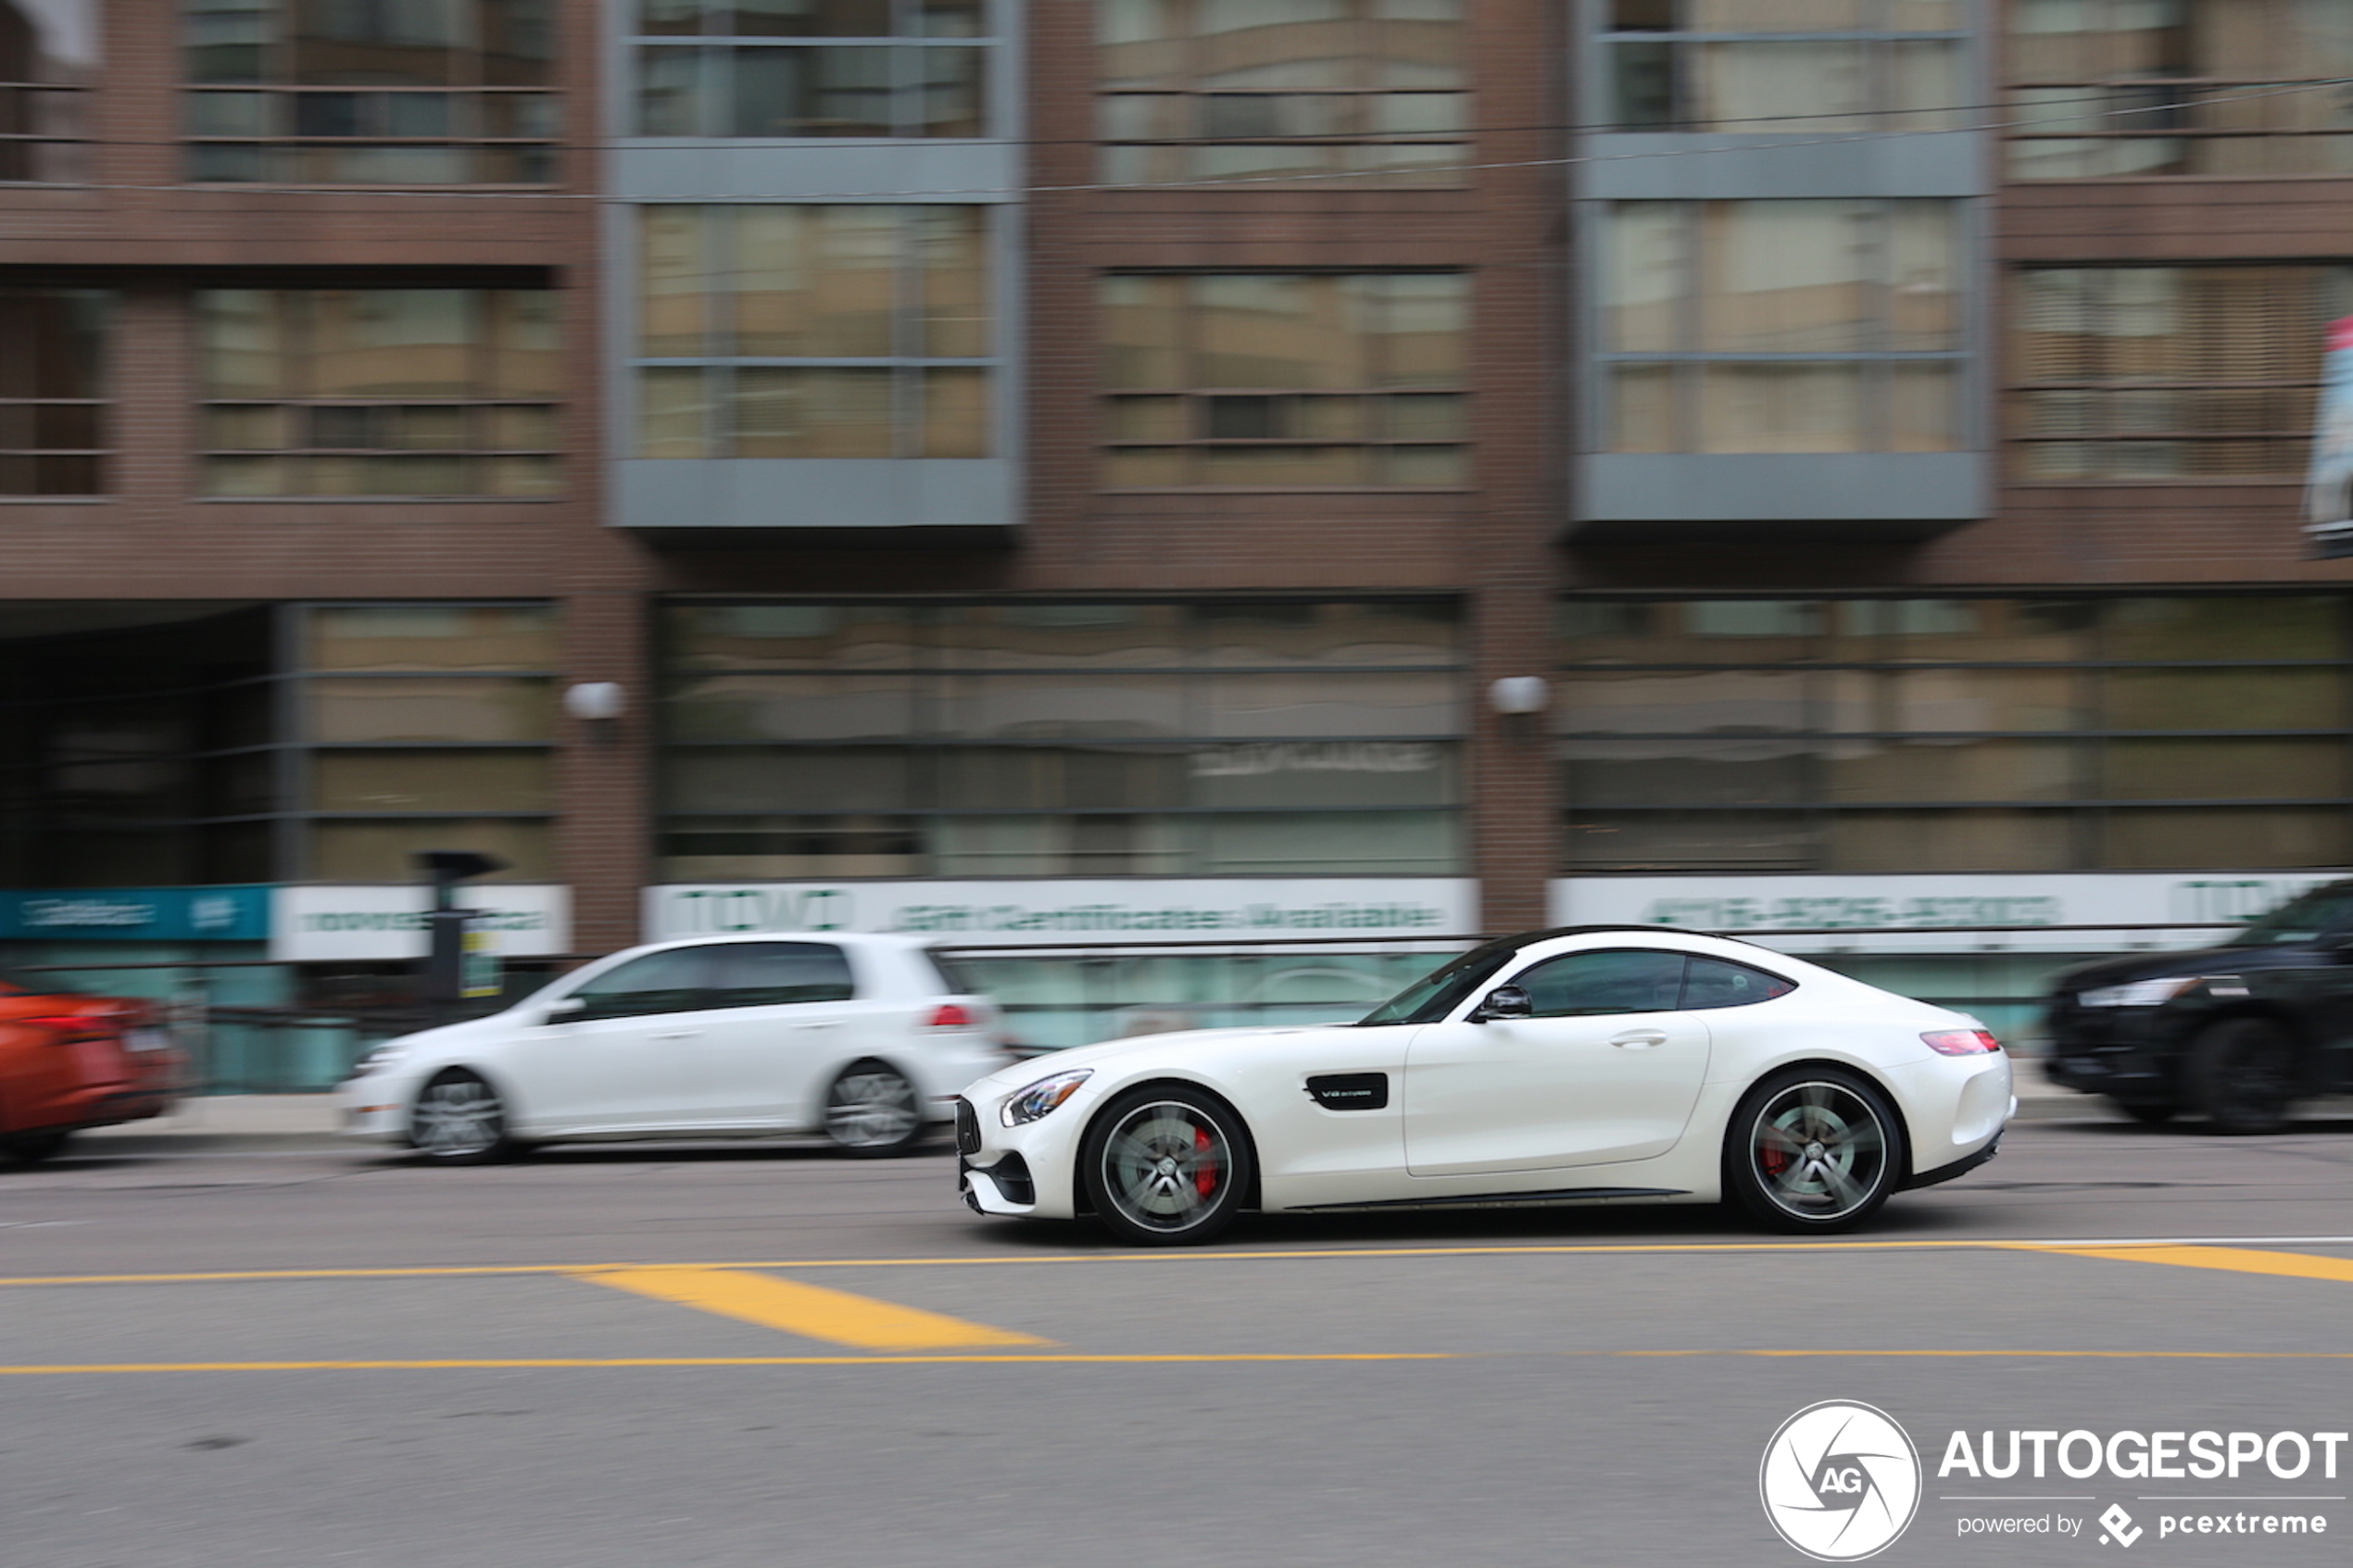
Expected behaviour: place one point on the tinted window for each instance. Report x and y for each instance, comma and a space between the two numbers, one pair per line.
2299, 920
669, 982
1622, 980
1716, 982
953, 979
758, 974
1440, 992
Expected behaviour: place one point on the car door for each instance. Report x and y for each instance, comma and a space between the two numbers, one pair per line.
782, 1014
624, 1049
1607, 1068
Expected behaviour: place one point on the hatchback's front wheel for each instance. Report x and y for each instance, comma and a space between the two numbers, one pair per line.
458, 1120
1813, 1149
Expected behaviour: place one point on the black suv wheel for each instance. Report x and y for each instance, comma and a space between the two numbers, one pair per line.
2241, 1073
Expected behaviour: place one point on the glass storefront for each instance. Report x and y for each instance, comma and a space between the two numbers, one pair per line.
1060, 739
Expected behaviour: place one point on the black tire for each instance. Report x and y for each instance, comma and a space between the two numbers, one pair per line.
2242, 1074
1813, 1151
872, 1111
459, 1120
2149, 1113
31, 1148
1167, 1165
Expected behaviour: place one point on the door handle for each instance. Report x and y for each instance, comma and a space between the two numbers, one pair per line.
1639, 1039
680, 1034
828, 1024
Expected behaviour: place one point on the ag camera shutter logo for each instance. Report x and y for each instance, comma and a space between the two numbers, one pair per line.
1839, 1481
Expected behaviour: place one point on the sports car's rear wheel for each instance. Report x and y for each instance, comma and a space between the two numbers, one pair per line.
1813, 1149
1166, 1164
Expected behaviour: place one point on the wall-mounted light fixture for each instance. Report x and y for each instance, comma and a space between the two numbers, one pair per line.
1520, 694
596, 700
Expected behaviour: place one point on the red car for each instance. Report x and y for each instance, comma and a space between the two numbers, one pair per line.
70, 1062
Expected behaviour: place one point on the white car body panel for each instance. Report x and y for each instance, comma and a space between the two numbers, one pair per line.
708, 1072
1585, 1108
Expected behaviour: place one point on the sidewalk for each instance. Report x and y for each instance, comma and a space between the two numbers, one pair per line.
313, 1116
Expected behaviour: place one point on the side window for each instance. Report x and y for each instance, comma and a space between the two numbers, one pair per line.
760, 974
1622, 980
671, 982
1718, 982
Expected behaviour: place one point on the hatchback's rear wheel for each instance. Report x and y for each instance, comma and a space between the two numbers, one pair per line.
458, 1120
1813, 1149
872, 1110
1168, 1164
2241, 1073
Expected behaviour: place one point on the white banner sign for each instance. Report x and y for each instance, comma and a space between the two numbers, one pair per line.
997, 912
1902, 915
310, 925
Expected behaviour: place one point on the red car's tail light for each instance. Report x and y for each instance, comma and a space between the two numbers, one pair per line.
950, 1016
1960, 1042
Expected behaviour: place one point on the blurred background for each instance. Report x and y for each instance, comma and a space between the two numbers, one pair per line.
1203, 504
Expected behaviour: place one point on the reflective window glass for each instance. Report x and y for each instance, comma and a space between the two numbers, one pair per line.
1583, 985
1718, 982
676, 980
754, 974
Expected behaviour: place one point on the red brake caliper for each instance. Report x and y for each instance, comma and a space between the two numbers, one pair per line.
1774, 1158
1205, 1170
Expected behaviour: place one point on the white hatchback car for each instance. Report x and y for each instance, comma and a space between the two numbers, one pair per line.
865, 1038
1599, 1064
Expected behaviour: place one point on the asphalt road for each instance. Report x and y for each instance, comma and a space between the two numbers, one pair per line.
284, 1352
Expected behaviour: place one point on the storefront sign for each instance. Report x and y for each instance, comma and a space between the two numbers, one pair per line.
1955, 913
309, 925
135, 914
993, 913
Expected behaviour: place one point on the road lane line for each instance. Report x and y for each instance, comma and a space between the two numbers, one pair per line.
594, 1362
810, 1311
2234, 1259
1702, 1248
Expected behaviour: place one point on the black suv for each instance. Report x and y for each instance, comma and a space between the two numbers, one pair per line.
2238, 1032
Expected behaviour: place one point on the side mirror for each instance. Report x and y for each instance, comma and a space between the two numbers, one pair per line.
1503, 1001
566, 1010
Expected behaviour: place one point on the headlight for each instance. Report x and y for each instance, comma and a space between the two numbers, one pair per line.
2141, 993
376, 1061
1041, 1097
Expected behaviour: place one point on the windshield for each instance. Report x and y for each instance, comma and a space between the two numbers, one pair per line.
1439, 993
2299, 920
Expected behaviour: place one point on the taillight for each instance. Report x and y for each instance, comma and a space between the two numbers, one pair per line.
950, 1016
1960, 1042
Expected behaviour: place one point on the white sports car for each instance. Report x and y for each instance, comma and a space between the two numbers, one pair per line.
1592, 1064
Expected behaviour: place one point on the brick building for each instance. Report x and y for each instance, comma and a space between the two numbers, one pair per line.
1077, 469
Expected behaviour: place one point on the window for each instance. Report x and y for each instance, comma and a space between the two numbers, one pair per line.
48, 64
1957, 734
812, 67
440, 393
2165, 373
1717, 983
1783, 326
426, 726
1823, 67
815, 331
1260, 89
2104, 88
760, 975
1286, 379
53, 403
371, 92
1059, 739
1583, 985
670, 981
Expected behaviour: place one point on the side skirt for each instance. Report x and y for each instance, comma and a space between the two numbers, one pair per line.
1496, 1200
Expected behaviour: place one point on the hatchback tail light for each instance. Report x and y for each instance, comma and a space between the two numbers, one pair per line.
1960, 1042
948, 1015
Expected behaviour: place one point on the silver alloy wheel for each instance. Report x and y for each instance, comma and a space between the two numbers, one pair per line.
456, 1118
1166, 1165
872, 1105
1818, 1150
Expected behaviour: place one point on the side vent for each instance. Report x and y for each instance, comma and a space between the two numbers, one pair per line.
1350, 1091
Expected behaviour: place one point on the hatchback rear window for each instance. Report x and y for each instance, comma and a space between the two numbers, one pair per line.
955, 980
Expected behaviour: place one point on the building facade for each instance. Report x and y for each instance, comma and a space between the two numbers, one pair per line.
1071, 475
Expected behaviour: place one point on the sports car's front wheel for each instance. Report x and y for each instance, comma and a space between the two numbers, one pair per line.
1166, 1165
1813, 1149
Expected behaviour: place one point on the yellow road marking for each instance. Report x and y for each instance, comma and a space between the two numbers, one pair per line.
811, 1311
566, 1364
593, 1363
2235, 1260
1234, 1256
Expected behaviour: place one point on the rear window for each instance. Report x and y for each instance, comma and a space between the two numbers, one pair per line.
1719, 982
955, 980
